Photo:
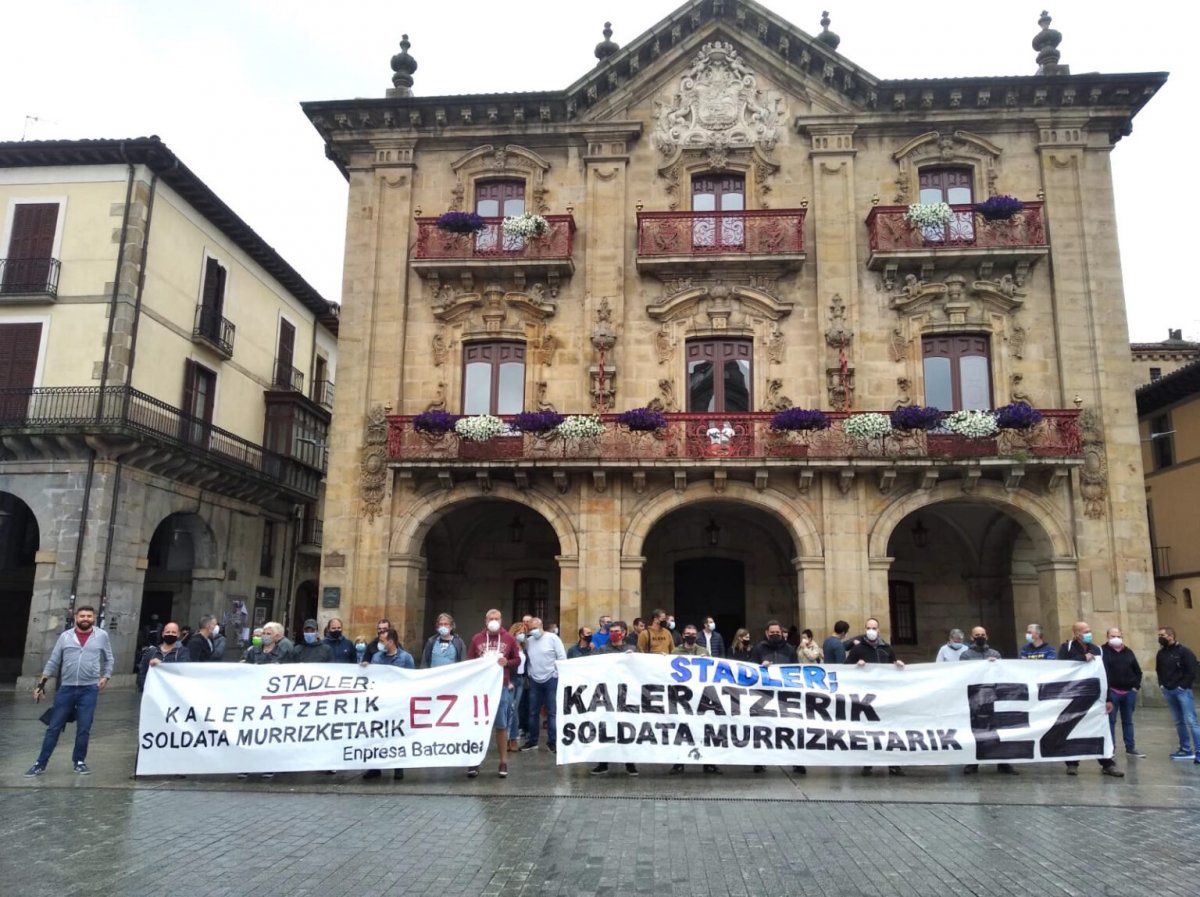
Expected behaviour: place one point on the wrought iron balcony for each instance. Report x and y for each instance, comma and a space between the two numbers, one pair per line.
287, 377
439, 253
733, 438
122, 411
311, 532
1161, 558
323, 393
968, 240
696, 240
29, 279
213, 330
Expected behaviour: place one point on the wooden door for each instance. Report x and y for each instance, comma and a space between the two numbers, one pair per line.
19, 345
30, 248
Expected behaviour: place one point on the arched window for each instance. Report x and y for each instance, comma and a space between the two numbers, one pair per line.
954, 187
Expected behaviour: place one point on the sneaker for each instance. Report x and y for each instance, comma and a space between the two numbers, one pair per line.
529, 746
866, 770
82, 769
760, 769
551, 748
675, 770
34, 771
1197, 760
503, 771
713, 770
243, 775
1007, 769
971, 769
472, 772
372, 774
397, 774
268, 776
1072, 770
1182, 755
630, 768
896, 771
600, 769
800, 770
1134, 752
1112, 771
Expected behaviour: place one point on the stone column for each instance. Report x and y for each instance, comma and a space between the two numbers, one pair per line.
852, 590
810, 586
1058, 582
1027, 604
878, 605
570, 614
405, 600
630, 604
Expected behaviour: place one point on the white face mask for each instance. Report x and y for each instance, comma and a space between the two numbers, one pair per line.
443, 631
493, 625
670, 624
710, 626
216, 630
872, 634
535, 633
1116, 641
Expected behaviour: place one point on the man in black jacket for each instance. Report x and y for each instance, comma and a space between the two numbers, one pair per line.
1176, 668
617, 644
340, 647
1080, 648
871, 648
1124, 683
312, 649
775, 649
199, 643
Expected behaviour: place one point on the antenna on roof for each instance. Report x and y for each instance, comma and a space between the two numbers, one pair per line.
25, 130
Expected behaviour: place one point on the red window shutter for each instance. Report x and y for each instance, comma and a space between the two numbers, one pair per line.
19, 344
33, 230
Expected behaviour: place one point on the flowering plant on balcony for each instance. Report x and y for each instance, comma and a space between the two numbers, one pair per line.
537, 421
999, 208
928, 214
916, 417
581, 426
527, 225
480, 428
867, 426
461, 222
643, 420
792, 419
972, 424
1018, 416
434, 422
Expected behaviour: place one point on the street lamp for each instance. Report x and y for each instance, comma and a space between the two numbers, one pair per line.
516, 529
920, 534
714, 532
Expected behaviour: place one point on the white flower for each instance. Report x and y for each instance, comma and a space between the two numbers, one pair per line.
527, 225
480, 428
929, 214
973, 424
867, 426
581, 426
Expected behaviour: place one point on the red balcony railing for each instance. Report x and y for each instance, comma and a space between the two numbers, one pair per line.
491, 243
890, 230
737, 436
760, 232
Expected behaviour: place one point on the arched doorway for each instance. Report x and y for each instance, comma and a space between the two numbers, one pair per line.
304, 607
182, 543
724, 559
19, 541
491, 553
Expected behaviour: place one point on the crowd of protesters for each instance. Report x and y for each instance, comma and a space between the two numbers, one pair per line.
530, 650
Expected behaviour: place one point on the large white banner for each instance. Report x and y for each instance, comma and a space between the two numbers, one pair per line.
223, 718
638, 708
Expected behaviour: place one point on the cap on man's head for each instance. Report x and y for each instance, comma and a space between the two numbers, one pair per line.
310, 624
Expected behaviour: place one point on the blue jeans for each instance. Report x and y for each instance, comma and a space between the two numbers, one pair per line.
1183, 710
514, 713
543, 694
1124, 705
81, 698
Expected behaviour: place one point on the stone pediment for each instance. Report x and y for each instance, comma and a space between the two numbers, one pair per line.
717, 300
494, 310
957, 300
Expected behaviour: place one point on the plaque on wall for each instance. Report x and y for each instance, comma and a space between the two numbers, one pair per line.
331, 597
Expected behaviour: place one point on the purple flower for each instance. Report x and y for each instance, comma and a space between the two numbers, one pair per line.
1018, 416
999, 208
642, 419
916, 417
461, 222
800, 419
435, 422
537, 421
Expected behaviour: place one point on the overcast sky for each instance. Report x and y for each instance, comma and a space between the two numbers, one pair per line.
221, 81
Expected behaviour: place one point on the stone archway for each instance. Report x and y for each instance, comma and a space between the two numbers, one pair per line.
183, 575
20, 539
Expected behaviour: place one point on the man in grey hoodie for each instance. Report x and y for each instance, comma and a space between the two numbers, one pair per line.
82, 660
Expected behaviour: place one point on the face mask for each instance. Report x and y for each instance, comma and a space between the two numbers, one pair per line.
710, 626
216, 630
604, 627
256, 640
268, 640
443, 631
170, 639
872, 634
493, 625
335, 634
670, 624
1029, 636
956, 646
310, 638
775, 640
361, 648
1087, 638
521, 638
1162, 640
535, 633
1116, 641
689, 640
980, 641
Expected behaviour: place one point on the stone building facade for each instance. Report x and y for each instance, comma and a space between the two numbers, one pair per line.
1153, 361
725, 201
162, 439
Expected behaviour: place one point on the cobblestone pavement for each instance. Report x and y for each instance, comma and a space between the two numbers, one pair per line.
548, 830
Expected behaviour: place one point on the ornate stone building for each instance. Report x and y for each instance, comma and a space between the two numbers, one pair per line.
726, 236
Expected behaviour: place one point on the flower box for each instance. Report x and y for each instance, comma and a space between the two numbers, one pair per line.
953, 445
460, 223
1000, 208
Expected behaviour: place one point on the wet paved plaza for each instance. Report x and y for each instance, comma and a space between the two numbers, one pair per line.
548, 830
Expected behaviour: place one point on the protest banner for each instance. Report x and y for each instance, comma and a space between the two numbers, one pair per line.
629, 708
224, 718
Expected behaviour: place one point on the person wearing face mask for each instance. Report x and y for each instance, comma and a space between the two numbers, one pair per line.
1124, 683
444, 646
742, 649
600, 636
671, 628
953, 649
168, 650
311, 649
1081, 648
543, 651
774, 647
710, 639
199, 643
493, 642
391, 655
656, 638
1036, 647
520, 680
808, 651
583, 647
1176, 668
979, 649
375, 646
340, 647
255, 641
871, 648
620, 641
270, 647
689, 646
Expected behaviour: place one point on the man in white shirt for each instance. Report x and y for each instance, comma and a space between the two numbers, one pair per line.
543, 651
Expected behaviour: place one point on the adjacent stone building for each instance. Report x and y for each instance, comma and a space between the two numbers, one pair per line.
1153, 361
165, 384
725, 202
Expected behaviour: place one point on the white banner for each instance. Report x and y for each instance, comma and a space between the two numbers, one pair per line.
638, 708
223, 718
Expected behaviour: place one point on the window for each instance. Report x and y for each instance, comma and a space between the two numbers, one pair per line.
29, 263
531, 596
903, 606
286, 376
19, 345
719, 375
958, 373
719, 193
199, 394
493, 378
498, 199
1162, 441
1155, 374
212, 301
953, 186
266, 558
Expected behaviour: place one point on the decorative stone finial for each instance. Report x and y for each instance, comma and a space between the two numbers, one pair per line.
403, 65
827, 37
1046, 43
606, 47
